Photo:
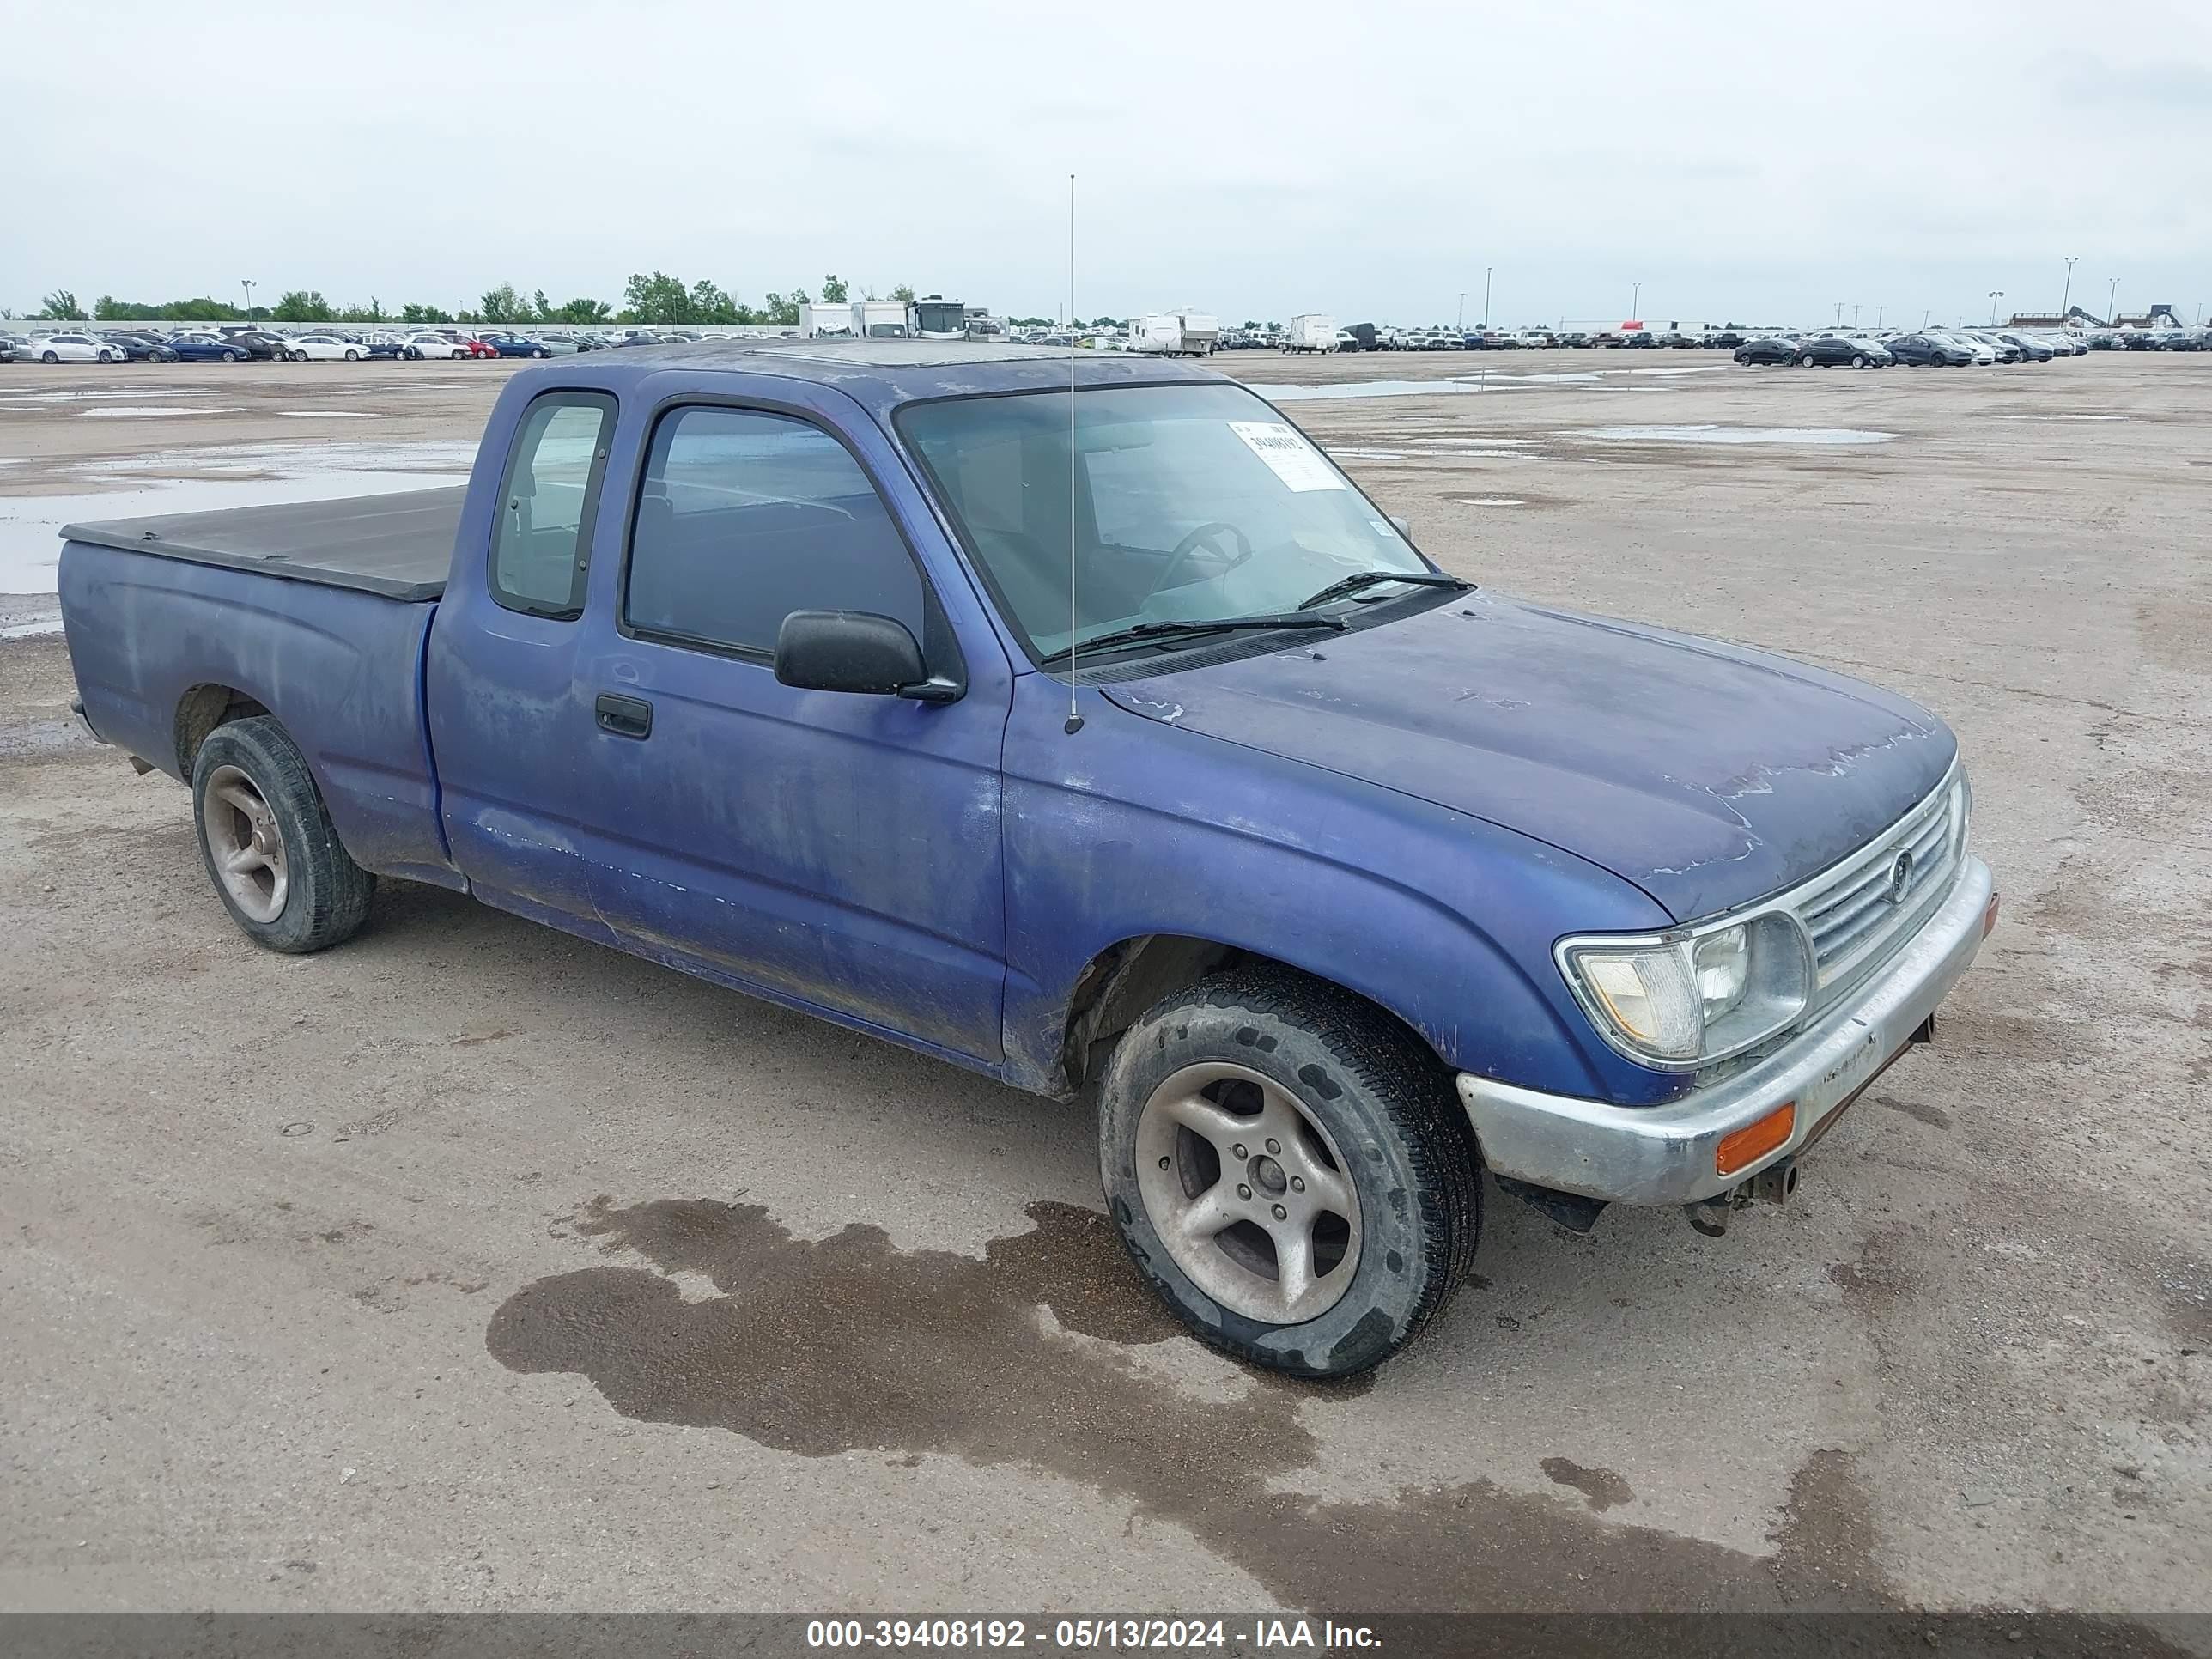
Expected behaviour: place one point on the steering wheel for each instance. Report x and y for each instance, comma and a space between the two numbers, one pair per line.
1197, 538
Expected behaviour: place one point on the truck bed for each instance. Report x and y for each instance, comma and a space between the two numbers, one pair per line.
397, 547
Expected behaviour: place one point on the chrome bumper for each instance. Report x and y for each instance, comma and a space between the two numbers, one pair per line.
1665, 1154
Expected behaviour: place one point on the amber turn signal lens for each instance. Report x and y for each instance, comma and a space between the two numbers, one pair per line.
1755, 1141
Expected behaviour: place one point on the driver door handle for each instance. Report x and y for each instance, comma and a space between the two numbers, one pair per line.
624, 717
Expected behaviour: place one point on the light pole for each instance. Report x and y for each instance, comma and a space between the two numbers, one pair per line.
1462, 309
1878, 310
2112, 300
1855, 316
1839, 314
244, 283
1635, 299
1485, 296
2068, 297
1995, 294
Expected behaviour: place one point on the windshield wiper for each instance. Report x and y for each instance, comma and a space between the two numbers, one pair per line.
1155, 630
1352, 585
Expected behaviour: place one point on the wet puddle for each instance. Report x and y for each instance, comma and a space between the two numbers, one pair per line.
1040, 1355
127, 413
30, 525
1487, 501
1734, 434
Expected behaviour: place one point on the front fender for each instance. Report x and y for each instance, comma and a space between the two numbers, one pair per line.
1131, 827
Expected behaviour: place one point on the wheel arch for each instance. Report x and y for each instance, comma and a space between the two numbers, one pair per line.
201, 709
1119, 983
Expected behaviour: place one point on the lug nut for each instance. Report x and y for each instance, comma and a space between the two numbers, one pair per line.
1165, 1162
1239, 1150
1281, 1214
1274, 1145
1242, 1191
1298, 1184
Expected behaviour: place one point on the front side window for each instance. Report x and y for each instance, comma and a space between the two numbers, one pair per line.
745, 517
1191, 503
542, 546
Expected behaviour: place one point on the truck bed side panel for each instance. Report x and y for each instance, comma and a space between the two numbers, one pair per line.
341, 669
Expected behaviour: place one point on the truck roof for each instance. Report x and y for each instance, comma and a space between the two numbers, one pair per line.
880, 373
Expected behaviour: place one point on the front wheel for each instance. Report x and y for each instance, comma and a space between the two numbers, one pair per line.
268, 844
1858, 361
50, 357
541, 352
1805, 361
230, 357
353, 356
1289, 1168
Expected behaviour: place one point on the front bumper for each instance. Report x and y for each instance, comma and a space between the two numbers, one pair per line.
1666, 1154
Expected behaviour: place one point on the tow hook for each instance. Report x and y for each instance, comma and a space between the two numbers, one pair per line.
1774, 1183
1709, 1216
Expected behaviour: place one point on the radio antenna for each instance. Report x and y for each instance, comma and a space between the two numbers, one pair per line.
1074, 680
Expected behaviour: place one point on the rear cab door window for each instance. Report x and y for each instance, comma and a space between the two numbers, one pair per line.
541, 543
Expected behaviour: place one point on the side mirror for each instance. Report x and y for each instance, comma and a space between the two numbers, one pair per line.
850, 651
1404, 526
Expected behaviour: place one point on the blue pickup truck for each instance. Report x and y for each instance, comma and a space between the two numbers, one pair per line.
1083, 724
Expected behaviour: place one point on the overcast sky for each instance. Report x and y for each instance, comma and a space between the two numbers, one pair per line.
1743, 161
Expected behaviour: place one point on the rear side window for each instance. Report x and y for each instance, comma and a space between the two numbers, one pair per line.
745, 517
543, 545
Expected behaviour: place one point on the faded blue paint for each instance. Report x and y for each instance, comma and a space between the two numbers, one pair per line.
1417, 813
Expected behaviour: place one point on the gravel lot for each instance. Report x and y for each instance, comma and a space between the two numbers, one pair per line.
839, 1327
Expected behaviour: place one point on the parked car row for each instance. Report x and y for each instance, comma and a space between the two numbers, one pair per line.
238, 343
1926, 348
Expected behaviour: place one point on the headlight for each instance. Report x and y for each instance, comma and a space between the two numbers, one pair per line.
1688, 999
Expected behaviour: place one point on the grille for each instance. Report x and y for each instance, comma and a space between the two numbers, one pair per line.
1854, 918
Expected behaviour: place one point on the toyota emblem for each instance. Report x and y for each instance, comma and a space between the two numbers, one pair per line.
1900, 876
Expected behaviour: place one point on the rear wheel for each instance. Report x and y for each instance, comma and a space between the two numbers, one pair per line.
50, 357
268, 844
1289, 1168
1805, 361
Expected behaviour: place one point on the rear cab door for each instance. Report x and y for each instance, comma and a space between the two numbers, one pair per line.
615, 754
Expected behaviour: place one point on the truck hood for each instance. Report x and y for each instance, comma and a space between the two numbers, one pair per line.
1709, 775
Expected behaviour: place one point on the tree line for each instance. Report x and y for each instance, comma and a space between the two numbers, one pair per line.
654, 298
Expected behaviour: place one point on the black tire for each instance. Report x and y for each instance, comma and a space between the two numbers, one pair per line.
1805, 361
328, 894
1859, 360
230, 357
51, 357
541, 352
1388, 1106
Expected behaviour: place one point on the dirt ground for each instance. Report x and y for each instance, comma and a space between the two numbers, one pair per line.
471, 1267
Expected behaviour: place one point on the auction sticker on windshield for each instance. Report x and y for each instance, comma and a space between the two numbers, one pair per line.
1288, 456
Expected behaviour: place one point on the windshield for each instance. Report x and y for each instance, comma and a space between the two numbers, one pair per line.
940, 316
1191, 503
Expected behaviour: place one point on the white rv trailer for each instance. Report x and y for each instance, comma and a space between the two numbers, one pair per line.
1311, 332
1184, 333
